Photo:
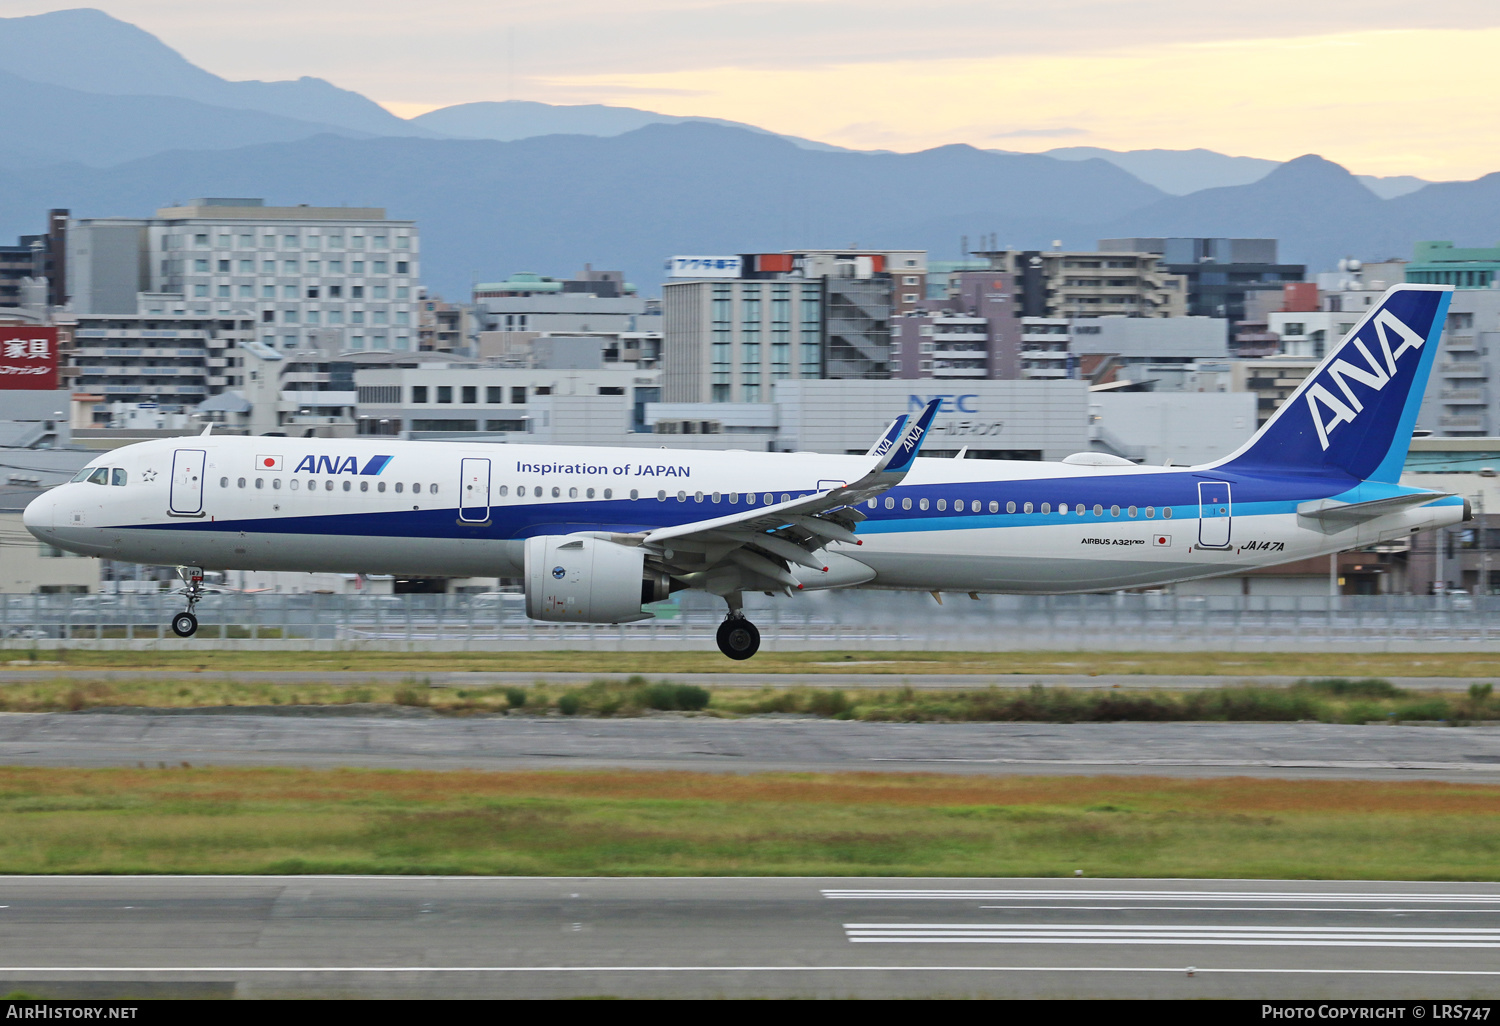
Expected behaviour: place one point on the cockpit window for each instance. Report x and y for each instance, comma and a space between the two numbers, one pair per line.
117, 477
99, 476
83, 475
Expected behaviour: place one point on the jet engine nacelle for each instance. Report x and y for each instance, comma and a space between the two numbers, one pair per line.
573, 578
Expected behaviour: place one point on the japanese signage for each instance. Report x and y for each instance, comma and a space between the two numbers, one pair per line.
704, 267
28, 358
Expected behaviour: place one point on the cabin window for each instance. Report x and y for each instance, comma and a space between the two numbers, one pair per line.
1026, 508
117, 477
697, 496
240, 483
380, 486
504, 491
364, 486
906, 504
294, 485
1114, 511
1166, 512
609, 493
260, 482
416, 488
1098, 510
1150, 512
588, 494
784, 497
348, 485
942, 504
717, 497
958, 505
750, 499
634, 493
661, 496
1010, 507
399, 487
573, 493
874, 503
1132, 511
1046, 507
890, 503
682, 496
276, 484
223, 481
994, 506
922, 504
556, 492
328, 485
432, 489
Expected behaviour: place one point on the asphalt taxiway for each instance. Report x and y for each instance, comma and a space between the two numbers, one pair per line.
748, 937
397, 737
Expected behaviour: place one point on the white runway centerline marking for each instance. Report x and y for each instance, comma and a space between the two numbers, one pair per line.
1222, 936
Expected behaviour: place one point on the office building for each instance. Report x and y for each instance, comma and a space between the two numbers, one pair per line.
733, 325
1442, 263
39, 261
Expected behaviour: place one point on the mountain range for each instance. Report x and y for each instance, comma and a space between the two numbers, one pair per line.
105, 119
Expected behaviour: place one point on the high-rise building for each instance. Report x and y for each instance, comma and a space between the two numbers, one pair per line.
335, 277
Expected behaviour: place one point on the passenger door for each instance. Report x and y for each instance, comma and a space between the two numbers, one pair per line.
474, 491
1214, 514
188, 468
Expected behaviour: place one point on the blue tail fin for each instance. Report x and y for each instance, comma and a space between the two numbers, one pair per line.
1354, 415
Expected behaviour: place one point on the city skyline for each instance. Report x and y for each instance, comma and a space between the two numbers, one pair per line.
1352, 82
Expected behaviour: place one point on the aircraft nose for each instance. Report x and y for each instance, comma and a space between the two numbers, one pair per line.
40, 516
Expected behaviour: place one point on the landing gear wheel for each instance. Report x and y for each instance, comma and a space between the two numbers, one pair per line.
738, 638
184, 625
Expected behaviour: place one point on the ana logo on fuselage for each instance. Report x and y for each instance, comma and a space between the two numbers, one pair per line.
342, 465
1376, 374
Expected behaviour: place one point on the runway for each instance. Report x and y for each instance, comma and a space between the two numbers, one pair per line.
872, 678
752, 937
416, 739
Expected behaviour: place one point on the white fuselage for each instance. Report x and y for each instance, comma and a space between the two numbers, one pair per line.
448, 509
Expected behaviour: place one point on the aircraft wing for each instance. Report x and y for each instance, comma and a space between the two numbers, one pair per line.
766, 541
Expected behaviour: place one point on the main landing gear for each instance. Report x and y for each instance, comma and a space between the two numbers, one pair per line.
737, 637
185, 624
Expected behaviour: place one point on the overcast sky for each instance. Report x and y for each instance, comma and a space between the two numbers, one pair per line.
1381, 86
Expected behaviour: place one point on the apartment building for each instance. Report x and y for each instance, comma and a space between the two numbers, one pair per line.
1220, 275
1054, 283
340, 277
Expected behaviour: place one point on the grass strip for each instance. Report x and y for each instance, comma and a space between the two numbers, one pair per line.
211, 820
1231, 664
1327, 700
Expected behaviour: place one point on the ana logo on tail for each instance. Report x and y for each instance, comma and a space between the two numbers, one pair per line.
1376, 374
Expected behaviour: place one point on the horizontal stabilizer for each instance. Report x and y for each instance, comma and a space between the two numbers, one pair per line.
1355, 512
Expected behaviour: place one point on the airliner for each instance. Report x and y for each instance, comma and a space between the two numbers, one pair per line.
597, 533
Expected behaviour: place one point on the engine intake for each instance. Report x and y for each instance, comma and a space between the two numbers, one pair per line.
574, 578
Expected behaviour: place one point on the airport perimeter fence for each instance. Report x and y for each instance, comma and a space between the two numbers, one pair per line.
850, 621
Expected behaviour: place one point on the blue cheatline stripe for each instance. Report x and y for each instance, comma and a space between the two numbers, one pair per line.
374, 466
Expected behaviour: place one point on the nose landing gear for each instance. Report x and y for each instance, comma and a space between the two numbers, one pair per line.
185, 624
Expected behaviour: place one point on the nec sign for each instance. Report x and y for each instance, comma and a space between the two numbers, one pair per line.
342, 465
1329, 410
947, 404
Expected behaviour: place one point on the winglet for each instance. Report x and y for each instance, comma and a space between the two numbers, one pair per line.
886, 445
907, 451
